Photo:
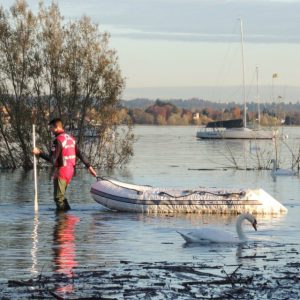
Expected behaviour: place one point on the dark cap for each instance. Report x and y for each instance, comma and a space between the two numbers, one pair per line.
55, 122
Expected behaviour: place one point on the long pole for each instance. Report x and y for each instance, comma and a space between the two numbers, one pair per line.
36, 206
243, 72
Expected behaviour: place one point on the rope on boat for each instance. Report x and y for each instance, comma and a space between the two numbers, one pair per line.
228, 195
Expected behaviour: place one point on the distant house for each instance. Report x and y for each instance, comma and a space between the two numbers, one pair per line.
196, 116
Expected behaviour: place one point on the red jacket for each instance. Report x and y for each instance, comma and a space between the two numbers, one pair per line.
68, 152
63, 156
64, 166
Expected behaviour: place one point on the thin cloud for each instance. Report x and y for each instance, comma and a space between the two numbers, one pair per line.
264, 21
198, 37
192, 20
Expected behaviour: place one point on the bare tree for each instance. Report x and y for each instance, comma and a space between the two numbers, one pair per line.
52, 68
16, 40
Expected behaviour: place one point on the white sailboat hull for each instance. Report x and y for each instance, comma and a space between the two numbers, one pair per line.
235, 133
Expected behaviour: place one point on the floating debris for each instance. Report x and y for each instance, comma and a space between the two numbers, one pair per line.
164, 280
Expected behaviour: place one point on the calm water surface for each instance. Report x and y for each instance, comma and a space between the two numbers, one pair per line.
89, 235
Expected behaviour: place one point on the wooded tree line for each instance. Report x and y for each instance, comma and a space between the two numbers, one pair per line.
166, 113
53, 68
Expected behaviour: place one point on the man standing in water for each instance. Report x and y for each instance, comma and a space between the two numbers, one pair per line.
63, 157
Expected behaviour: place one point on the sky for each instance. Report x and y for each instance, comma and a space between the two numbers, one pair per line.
191, 48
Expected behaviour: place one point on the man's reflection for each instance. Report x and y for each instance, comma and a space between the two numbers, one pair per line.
64, 248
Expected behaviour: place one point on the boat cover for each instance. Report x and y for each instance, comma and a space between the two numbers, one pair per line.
237, 123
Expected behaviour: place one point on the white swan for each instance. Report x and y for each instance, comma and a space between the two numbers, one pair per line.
213, 235
281, 172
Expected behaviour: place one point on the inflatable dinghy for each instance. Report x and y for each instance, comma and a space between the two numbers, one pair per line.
126, 197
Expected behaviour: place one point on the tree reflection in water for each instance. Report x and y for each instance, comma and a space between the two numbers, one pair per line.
64, 249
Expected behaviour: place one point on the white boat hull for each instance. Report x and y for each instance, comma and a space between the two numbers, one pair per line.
121, 196
235, 133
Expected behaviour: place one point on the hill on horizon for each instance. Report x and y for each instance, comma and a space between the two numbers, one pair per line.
199, 104
222, 94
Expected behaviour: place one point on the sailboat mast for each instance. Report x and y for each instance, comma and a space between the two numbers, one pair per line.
257, 97
243, 73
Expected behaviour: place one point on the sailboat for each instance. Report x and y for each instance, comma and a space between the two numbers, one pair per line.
235, 129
